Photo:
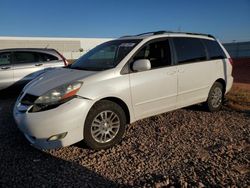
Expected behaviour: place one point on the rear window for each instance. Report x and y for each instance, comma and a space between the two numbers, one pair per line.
189, 50
214, 49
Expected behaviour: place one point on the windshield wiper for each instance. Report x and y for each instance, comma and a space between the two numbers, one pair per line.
86, 68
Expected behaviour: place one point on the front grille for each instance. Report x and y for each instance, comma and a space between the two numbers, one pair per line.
28, 99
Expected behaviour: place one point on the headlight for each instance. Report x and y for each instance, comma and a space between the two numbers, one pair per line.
59, 94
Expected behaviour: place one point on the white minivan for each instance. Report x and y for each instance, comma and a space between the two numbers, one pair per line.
120, 82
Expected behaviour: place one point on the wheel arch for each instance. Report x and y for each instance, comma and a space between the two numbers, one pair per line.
222, 81
122, 104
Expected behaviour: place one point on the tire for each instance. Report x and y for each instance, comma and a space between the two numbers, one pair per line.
105, 125
215, 97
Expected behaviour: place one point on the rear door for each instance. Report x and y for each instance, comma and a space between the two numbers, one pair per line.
25, 65
194, 71
6, 70
217, 57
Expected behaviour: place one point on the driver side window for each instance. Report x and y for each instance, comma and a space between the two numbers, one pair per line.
158, 53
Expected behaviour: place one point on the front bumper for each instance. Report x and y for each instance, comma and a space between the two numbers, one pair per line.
68, 118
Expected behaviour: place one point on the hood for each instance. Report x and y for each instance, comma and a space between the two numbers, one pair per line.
55, 78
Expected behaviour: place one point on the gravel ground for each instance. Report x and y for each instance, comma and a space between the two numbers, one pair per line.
183, 148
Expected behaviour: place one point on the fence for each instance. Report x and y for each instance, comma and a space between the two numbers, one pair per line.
238, 49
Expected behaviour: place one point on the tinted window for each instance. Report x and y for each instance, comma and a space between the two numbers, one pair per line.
47, 57
5, 58
158, 53
214, 49
189, 50
25, 57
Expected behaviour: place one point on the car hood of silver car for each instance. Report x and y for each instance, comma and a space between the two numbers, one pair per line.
54, 78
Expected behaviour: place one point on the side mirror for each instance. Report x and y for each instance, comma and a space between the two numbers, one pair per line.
141, 65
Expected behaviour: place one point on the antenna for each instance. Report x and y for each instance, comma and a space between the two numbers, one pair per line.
179, 28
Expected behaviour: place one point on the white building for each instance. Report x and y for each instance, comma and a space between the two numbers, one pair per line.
71, 48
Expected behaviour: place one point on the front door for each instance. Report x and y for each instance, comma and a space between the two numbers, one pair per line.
154, 91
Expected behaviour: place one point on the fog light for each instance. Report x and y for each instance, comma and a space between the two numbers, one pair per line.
57, 137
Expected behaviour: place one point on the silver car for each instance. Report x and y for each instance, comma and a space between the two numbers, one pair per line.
24, 64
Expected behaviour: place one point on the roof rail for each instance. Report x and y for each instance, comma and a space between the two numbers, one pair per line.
154, 33
190, 33
147, 33
168, 32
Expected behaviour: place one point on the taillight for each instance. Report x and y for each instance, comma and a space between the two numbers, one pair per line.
63, 58
230, 61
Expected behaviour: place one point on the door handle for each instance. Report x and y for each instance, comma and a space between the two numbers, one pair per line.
181, 70
5, 68
38, 64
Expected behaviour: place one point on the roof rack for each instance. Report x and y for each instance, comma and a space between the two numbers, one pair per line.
147, 33
168, 32
154, 33
190, 33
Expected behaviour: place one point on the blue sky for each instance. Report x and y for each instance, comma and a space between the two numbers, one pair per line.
226, 19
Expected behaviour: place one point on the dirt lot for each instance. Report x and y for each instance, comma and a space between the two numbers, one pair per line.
183, 148
187, 147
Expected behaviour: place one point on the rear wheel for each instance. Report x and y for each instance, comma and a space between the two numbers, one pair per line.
104, 125
215, 97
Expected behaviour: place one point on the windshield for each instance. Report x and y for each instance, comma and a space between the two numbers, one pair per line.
105, 56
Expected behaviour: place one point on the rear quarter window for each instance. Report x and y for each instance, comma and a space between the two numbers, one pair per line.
189, 50
47, 57
214, 49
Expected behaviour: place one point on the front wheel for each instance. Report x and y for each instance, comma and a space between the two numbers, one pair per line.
215, 97
104, 125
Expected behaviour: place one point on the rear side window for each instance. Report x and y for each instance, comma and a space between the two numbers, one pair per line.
47, 57
214, 49
5, 58
189, 50
25, 57
158, 53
